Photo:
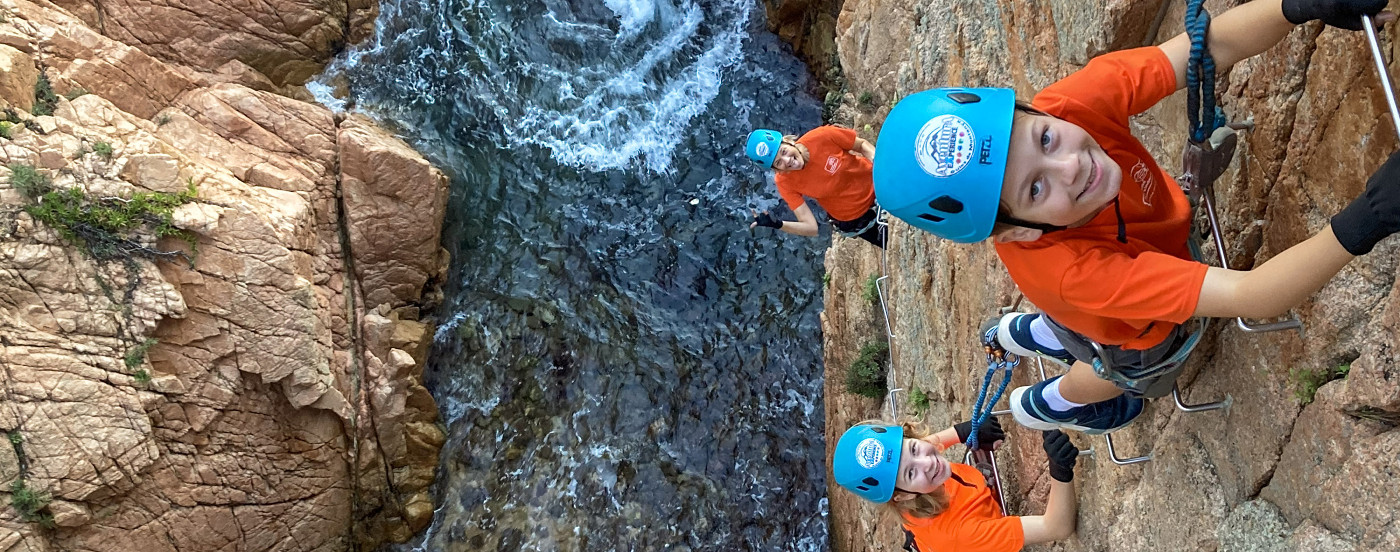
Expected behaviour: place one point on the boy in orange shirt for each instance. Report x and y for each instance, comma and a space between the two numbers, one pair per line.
1090, 228
829, 164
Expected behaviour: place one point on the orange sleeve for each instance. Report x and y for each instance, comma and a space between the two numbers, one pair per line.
1154, 286
792, 197
990, 535
843, 138
1116, 85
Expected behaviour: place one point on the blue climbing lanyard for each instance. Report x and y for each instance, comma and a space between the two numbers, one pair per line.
1201, 111
998, 359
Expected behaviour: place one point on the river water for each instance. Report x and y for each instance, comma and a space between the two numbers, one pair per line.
621, 364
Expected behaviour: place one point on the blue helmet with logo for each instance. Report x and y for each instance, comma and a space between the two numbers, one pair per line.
942, 160
867, 460
763, 146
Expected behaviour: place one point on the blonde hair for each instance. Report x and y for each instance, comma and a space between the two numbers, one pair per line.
923, 505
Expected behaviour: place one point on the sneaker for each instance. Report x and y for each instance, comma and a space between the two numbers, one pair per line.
1030, 410
1014, 335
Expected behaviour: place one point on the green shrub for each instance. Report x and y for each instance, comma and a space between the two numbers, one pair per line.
44, 99
5, 127
871, 290
141, 376
826, 279
163, 119
919, 401
30, 503
16, 439
29, 181
1306, 382
104, 149
866, 99
137, 354
105, 228
866, 376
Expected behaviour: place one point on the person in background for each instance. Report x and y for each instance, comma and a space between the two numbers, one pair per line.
829, 164
946, 505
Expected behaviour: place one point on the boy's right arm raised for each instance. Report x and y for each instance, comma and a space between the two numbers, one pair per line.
1288, 278
1249, 29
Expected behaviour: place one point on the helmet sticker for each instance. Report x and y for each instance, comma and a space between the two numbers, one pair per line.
944, 145
761, 149
869, 453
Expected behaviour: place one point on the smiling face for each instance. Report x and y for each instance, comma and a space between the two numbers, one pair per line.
789, 158
1056, 173
922, 469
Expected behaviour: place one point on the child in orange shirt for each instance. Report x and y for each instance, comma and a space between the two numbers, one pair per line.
829, 164
1090, 228
946, 505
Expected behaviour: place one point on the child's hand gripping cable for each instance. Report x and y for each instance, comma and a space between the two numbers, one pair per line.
1373, 215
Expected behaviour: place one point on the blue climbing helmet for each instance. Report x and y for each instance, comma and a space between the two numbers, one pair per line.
867, 460
942, 160
763, 146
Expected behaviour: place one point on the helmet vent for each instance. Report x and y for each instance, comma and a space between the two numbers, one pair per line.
930, 218
877, 429
871, 481
862, 487
947, 205
964, 97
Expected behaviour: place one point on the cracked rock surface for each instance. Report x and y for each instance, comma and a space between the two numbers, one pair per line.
266, 395
1273, 472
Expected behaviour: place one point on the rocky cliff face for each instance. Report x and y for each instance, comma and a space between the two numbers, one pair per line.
262, 392
1274, 471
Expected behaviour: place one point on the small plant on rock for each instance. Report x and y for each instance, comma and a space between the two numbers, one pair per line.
919, 401
30, 504
871, 290
137, 354
103, 149
75, 92
141, 376
162, 119
866, 99
5, 127
1306, 382
866, 376
44, 99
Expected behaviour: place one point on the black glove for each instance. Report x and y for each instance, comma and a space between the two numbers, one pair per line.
1062, 455
1374, 214
1345, 14
989, 433
765, 219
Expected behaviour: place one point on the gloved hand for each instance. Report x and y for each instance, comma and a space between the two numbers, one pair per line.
765, 219
1374, 214
988, 434
1062, 455
1345, 14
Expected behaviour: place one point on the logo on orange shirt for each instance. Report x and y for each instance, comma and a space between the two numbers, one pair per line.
833, 163
1143, 176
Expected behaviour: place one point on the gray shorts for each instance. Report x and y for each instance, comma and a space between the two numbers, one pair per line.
1128, 364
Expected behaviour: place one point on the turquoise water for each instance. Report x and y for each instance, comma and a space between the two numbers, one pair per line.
621, 364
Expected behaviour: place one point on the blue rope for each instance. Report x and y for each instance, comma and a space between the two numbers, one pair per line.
1201, 111
997, 359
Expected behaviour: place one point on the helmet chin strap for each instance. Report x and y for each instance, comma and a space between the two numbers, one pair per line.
1005, 218
1046, 228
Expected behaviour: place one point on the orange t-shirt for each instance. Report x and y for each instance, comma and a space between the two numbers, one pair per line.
1126, 294
839, 180
972, 522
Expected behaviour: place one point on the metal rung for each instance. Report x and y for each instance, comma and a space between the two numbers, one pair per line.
1203, 407
1108, 437
1381, 71
1291, 324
